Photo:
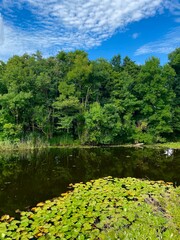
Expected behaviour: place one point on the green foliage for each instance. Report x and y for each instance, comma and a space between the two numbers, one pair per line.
130, 67
11, 131
58, 95
63, 140
174, 58
102, 124
101, 79
154, 90
125, 101
116, 63
174, 145
174, 61
108, 208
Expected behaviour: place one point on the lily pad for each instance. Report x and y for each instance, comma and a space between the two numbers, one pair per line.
106, 208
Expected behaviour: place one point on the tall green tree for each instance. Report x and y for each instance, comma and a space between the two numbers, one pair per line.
154, 90
101, 80
15, 102
74, 91
67, 108
3, 88
130, 67
102, 124
126, 103
174, 61
116, 63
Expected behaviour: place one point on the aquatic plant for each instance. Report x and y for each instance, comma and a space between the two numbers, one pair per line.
102, 209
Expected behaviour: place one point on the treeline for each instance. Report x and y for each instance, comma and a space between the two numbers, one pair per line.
94, 102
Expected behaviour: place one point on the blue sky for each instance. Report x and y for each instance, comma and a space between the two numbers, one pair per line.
137, 28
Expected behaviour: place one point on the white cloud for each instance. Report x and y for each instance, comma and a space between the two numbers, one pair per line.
1, 30
167, 44
174, 7
67, 24
135, 35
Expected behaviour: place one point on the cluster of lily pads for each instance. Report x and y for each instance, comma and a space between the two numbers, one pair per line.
102, 209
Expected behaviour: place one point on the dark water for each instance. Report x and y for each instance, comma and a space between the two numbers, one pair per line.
27, 178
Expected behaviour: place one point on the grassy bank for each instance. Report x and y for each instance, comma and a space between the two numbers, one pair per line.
102, 209
174, 145
69, 143
25, 145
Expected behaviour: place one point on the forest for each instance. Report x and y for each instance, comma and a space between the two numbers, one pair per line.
93, 102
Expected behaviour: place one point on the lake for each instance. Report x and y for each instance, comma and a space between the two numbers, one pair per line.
29, 177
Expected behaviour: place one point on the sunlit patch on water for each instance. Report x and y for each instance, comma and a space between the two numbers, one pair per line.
169, 152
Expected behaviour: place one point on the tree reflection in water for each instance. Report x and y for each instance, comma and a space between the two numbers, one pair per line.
29, 177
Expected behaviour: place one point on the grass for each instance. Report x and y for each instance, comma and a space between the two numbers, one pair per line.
23, 145
174, 145
67, 141
64, 140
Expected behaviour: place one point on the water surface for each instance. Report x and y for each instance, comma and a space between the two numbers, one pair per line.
29, 177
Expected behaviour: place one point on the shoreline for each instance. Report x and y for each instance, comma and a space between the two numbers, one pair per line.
27, 146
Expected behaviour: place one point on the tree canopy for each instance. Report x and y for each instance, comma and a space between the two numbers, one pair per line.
95, 102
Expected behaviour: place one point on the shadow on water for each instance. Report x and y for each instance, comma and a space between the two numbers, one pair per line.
27, 178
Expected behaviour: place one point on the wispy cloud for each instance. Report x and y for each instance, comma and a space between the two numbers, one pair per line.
54, 25
1, 30
174, 7
135, 35
167, 44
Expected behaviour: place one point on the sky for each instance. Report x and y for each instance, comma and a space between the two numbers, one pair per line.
103, 28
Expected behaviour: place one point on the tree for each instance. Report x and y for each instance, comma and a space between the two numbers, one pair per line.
126, 103
74, 89
98, 102
102, 124
67, 107
101, 80
130, 67
3, 88
116, 63
79, 76
174, 61
154, 90
16, 100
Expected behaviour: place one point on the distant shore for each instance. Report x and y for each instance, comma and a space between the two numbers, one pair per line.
41, 145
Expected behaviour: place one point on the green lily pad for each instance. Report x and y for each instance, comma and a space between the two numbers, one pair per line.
106, 208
